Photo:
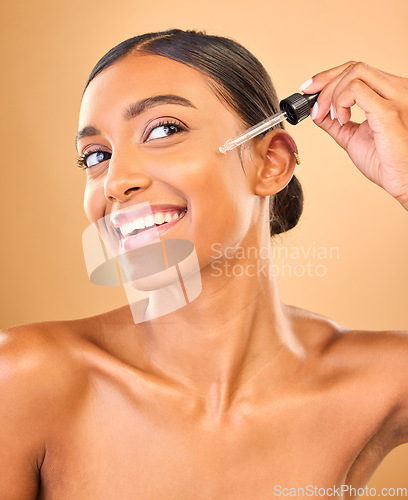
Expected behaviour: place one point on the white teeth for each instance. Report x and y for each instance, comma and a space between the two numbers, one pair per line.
131, 226
126, 229
148, 221
139, 223
158, 218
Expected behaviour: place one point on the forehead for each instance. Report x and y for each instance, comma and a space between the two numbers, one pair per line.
141, 76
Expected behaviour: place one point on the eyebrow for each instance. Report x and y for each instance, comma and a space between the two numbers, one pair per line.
137, 108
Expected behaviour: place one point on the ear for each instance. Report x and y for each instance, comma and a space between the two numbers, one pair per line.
275, 162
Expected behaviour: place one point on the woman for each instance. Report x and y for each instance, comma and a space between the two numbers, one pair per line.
236, 395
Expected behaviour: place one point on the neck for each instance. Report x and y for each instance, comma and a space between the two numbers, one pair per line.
227, 335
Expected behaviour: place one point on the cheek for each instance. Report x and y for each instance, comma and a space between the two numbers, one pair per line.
94, 201
220, 196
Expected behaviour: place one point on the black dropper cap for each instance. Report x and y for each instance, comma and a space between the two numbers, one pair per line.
297, 106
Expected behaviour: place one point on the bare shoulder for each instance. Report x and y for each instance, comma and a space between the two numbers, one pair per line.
314, 331
380, 358
39, 365
40, 381
347, 346
373, 362
37, 347
53, 356
381, 353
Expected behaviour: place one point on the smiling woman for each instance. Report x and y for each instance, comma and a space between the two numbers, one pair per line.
236, 393
245, 87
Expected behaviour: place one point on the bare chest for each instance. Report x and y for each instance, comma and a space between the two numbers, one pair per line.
121, 446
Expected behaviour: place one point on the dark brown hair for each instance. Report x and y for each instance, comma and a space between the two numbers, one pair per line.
237, 76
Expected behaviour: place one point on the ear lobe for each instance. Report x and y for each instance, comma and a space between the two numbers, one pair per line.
277, 163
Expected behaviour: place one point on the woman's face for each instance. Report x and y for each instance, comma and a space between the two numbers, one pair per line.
164, 150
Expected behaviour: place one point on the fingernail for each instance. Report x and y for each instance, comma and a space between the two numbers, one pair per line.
338, 119
331, 111
306, 84
314, 112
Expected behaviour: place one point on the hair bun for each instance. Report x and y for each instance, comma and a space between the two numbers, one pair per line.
285, 207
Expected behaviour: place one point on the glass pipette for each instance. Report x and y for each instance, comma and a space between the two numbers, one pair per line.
294, 109
253, 132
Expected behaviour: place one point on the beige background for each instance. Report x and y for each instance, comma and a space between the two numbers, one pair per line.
48, 50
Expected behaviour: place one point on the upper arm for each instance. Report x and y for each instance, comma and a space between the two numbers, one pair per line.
23, 405
20, 455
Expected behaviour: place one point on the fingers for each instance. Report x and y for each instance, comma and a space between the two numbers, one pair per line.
370, 86
358, 92
320, 80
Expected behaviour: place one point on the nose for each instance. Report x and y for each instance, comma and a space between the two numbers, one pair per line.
124, 179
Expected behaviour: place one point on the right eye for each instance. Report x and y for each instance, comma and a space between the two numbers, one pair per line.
92, 158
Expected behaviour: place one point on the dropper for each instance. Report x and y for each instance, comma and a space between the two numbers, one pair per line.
294, 109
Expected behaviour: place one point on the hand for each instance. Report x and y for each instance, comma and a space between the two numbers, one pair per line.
378, 146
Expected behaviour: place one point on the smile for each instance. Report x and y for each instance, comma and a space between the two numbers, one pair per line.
142, 223
144, 230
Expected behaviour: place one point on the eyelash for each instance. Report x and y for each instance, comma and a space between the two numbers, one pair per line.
81, 160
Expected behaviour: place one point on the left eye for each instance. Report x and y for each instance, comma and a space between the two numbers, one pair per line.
164, 130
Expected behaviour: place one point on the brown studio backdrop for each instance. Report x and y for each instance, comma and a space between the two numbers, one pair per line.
48, 50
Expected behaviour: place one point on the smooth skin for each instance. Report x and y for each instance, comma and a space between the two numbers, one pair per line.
236, 395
